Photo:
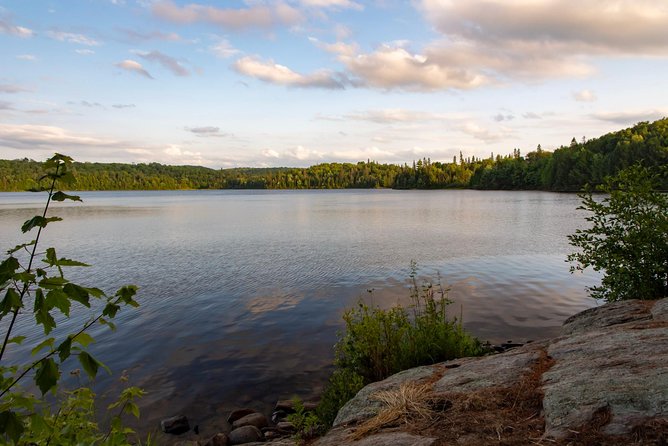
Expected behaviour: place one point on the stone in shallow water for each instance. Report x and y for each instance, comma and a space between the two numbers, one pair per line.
253, 419
245, 434
217, 440
175, 425
239, 413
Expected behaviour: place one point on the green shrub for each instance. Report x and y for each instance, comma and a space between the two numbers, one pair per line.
306, 422
38, 289
627, 239
378, 343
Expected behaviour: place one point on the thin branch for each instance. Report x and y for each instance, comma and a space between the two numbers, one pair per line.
26, 285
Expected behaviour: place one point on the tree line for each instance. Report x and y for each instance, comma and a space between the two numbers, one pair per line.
568, 168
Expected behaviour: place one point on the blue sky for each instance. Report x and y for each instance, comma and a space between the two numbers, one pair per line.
299, 82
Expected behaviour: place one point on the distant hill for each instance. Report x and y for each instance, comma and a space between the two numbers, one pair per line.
568, 168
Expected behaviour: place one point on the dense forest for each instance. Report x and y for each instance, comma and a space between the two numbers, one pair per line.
568, 168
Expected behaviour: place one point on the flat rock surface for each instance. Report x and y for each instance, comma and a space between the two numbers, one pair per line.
607, 372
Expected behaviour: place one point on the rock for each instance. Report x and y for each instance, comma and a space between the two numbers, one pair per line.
175, 425
186, 443
278, 415
341, 437
288, 406
254, 419
239, 413
245, 434
606, 316
489, 371
619, 370
271, 434
286, 427
219, 439
363, 405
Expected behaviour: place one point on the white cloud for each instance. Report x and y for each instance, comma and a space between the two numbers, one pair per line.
180, 156
11, 88
206, 131
138, 36
41, 136
223, 49
255, 16
274, 73
484, 133
134, 66
396, 68
79, 39
333, 4
84, 51
584, 96
166, 61
630, 117
7, 27
390, 116
28, 57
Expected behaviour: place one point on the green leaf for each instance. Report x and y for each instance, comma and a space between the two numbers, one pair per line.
51, 257
60, 196
45, 343
64, 349
38, 221
110, 310
44, 318
126, 293
89, 364
16, 340
11, 302
132, 408
8, 268
47, 375
20, 247
53, 282
69, 262
84, 339
77, 293
58, 299
11, 425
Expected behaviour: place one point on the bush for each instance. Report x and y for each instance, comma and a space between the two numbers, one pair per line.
39, 289
378, 343
627, 239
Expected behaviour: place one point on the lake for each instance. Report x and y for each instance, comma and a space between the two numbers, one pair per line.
242, 292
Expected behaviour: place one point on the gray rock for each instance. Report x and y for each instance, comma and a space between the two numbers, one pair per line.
341, 437
660, 310
363, 406
606, 316
219, 439
286, 426
616, 368
245, 434
239, 413
501, 370
175, 425
254, 419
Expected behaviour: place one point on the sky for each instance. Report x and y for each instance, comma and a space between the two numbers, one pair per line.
299, 82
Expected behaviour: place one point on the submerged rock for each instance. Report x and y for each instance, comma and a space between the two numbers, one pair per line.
175, 425
245, 434
252, 419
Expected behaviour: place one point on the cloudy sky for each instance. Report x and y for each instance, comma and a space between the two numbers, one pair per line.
298, 82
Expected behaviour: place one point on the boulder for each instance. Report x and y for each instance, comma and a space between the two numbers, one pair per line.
239, 413
253, 419
175, 425
219, 439
245, 434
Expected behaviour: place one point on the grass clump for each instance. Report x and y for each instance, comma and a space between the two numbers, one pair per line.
379, 342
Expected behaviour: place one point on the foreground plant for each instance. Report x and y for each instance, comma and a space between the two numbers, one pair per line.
38, 290
627, 239
378, 343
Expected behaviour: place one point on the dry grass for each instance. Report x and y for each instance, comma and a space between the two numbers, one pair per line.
409, 403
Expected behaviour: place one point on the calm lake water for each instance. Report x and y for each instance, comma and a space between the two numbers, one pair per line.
241, 292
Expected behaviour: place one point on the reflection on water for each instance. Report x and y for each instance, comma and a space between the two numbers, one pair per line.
242, 291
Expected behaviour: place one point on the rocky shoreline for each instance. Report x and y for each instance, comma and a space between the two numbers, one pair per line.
603, 381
